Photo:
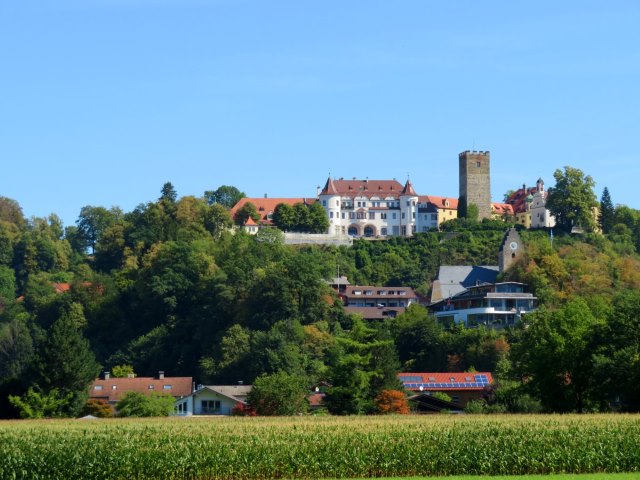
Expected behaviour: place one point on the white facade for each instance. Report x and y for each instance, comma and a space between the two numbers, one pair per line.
364, 208
208, 400
540, 215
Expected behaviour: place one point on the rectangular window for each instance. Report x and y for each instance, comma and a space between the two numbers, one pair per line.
343, 215
330, 214
478, 164
403, 215
324, 203
413, 215
210, 406
98, 387
383, 216
166, 387
393, 215
372, 215
150, 387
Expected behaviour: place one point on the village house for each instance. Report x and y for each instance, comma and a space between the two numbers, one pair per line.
212, 400
111, 389
460, 387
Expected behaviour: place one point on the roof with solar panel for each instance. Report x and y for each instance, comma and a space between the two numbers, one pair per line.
446, 381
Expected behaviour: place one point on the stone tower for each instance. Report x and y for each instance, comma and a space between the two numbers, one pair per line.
510, 250
475, 181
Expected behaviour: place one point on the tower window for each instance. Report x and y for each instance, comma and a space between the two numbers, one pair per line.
478, 164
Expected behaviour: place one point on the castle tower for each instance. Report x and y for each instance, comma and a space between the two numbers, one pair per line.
330, 200
475, 181
408, 210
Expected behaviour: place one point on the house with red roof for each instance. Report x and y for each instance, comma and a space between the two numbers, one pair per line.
462, 387
265, 207
529, 206
112, 389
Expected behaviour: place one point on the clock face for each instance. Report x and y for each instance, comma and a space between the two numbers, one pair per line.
513, 245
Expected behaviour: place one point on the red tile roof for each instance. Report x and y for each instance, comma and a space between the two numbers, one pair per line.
454, 379
329, 188
250, 222
179, 387
408, 189
266, 206
518, 199
61, 287
502, 208
443, 203
368, 188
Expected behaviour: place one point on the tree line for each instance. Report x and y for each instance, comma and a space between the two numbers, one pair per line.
169, 286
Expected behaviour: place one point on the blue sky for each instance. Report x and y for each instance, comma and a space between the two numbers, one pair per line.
103, 101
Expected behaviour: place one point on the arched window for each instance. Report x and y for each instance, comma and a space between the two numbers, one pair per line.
368, 231
353, 231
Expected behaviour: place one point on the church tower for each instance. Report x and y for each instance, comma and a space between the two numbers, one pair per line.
510, 250
475, 181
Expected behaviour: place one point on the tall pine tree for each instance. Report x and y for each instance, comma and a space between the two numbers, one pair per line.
607, 212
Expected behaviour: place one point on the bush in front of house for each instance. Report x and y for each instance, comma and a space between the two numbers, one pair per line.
98, 408
134, 404
278, 394
392, 401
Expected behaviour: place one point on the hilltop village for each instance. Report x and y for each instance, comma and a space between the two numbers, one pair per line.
367, 298
383, 208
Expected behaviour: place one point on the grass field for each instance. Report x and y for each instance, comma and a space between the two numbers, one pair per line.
329, 447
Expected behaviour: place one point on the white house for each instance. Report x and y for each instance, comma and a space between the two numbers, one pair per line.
212, 400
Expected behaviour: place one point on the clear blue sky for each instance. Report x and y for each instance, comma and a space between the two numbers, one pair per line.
102, 101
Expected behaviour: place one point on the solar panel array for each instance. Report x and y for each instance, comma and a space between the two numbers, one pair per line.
416, 382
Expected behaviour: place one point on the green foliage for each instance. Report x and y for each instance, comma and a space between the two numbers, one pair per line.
225, 195
301, 218
248, 210
323, 447
572, 200
135, 404
441, 396
35, 404
122, 371
278, 394
607, 212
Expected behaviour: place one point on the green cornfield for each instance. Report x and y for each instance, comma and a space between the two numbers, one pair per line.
318, 447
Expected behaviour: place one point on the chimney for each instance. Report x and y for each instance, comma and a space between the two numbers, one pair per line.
107, 375
265, 195
161, 375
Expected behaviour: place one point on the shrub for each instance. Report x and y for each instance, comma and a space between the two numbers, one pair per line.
392, 401
278, 394
243, 410
97, 408
134, 404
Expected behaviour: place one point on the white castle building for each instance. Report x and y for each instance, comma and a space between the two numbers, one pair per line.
371, 208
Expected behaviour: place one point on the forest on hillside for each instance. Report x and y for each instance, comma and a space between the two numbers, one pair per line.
171, 286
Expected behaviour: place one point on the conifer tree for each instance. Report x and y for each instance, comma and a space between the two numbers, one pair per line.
607, 212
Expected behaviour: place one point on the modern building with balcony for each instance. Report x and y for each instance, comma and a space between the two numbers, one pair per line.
494, 305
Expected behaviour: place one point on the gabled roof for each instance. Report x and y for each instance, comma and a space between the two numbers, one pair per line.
250, 223
408, 189
236, 393
368, 188
456, 279
176, 386
443, 203
502, 208
518, 199
266, 206
436, 381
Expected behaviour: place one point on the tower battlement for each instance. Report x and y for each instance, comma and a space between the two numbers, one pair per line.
475, 180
